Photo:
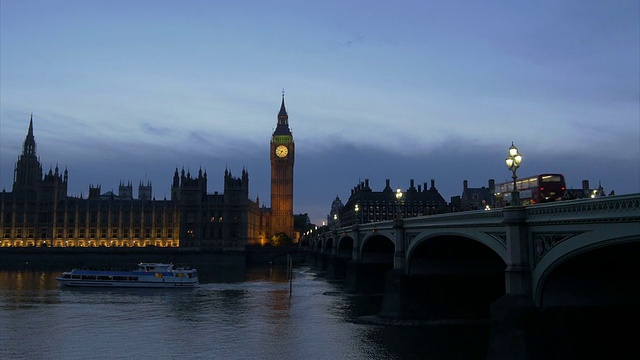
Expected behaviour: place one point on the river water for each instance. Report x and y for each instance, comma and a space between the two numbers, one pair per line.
257, 314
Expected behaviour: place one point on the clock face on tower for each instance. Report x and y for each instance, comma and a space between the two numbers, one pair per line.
282, 151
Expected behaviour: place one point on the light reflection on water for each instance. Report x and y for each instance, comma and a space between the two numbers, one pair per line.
251, 316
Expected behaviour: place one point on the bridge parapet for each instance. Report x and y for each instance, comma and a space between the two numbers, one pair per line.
466, 219
623, 208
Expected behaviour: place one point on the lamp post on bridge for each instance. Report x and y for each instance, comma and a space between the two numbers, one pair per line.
357, 208
399, 202
513, 163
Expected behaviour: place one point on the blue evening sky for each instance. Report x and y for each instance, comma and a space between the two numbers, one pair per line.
132, 90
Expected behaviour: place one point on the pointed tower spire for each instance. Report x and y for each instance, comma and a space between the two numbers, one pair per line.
29, 147
28, 170
282, 115
283, 120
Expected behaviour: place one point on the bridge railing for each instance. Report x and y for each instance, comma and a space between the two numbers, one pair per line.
623, 208
467, 218
619, 208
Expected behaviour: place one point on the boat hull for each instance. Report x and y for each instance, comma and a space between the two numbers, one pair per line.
117, 284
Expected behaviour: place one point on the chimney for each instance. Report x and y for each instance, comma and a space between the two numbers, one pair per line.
585, 184
465, 185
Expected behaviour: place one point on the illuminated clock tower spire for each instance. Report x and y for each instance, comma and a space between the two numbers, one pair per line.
282, 158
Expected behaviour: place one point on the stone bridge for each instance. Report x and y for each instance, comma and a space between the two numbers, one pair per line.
504, 264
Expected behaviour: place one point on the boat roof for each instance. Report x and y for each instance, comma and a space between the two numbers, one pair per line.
143, 267
155, 265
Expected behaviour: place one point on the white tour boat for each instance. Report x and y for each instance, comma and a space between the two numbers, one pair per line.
148, 275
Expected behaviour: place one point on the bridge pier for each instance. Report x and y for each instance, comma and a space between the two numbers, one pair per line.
515, 321
365, 278
397, 287
320, 261
518, 271
515, 330
336, 268
395, 304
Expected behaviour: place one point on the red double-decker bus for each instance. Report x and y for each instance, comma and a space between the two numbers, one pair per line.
533, 189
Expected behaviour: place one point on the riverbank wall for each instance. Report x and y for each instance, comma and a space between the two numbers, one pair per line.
67, 258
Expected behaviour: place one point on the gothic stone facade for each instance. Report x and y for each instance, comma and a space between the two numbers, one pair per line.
383, 205
38, 212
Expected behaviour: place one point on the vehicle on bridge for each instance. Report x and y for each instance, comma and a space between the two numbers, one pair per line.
533, 189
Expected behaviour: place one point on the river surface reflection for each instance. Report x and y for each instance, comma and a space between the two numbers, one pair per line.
234, 314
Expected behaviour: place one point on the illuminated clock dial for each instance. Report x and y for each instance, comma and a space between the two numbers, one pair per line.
282, 151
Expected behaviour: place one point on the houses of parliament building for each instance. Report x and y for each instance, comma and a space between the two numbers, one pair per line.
38, 211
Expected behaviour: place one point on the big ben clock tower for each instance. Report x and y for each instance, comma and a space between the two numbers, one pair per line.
282, 156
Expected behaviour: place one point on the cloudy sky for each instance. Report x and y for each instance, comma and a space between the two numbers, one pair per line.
132, 90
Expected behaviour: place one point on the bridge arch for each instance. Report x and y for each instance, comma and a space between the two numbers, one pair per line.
377, 248
455, 276
476, 235
345, 247
328, 246
581, 272
375, 260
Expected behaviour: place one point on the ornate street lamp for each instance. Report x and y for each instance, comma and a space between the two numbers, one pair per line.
513, 163
399, 201
357, 208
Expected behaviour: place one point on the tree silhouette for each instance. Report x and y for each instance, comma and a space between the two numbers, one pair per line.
280, 239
